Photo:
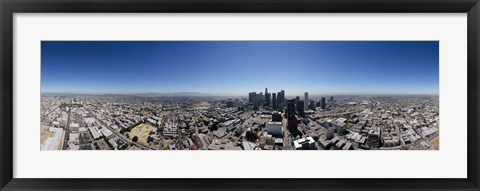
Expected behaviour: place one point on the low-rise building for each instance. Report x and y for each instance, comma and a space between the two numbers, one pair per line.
306, 143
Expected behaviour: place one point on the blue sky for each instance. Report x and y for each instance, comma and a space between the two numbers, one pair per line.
239, 67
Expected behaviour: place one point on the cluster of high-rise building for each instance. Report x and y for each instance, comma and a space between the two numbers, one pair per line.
277, 101
273, 100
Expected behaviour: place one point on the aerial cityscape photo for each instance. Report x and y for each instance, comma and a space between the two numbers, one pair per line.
239, 95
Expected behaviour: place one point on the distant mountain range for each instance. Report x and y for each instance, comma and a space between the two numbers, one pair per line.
170, 94
199, 94
173, 94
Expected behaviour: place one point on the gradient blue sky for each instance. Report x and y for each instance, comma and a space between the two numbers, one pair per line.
239, 67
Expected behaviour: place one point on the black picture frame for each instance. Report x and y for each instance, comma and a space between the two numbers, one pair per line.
9, 7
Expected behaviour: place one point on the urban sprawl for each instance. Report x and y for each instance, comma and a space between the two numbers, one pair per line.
261, 121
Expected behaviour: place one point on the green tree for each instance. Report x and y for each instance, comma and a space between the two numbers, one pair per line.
251, 136
261, 126
123, 147
135, 139
213, 127
348, 125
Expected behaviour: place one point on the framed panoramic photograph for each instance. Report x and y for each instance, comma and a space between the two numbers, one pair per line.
167, 101
239, 95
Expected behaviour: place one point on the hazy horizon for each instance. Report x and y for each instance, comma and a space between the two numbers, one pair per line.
242, 95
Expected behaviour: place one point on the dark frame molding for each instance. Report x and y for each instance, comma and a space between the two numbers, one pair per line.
9, 7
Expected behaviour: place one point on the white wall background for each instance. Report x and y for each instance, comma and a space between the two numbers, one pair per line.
449, 162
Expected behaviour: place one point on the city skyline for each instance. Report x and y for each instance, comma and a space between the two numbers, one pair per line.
240, 67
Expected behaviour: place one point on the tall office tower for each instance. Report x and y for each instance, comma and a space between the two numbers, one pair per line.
280, 101
274, 100
257, 101
251, 97
270, 99
290, 115
312, 105
290, 108
331, 98
301, 108
279, 98
283, 96
306, 101
374, 137
266, 94
297, 99
229, 103
292, 124
323, 104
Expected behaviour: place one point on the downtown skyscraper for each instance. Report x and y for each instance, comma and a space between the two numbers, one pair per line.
267, 97
274, 101
306, 101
